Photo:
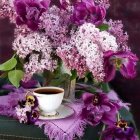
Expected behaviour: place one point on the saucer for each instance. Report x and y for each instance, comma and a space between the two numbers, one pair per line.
62, 112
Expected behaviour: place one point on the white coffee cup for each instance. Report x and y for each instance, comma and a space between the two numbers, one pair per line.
49, 99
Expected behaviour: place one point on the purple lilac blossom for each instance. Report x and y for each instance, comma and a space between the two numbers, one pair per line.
72, 59
55, 26
104, 3
6, 10
125, 62
29, 12
120, 131
116, 29
99, 108
87, 11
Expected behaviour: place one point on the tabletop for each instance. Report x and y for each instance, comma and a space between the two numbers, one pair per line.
11, 129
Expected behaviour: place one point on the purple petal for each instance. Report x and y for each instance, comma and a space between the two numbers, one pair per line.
32, 25
32, 116
9, 87
20, 8
89, 4
128, 72
106, 108
130, 68
87, 98
109, 119
45, 3
29, 84
110, 72
19, 21
108, 54
112, 95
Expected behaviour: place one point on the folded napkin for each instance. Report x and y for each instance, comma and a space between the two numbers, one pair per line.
62, 129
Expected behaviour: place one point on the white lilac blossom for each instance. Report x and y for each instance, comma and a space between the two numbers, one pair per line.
21, 114
35, 65
38, 48
91, 44
24, 45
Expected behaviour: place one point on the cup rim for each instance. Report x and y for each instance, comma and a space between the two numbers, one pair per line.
49, 87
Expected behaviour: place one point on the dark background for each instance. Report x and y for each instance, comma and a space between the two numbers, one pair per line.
126, 10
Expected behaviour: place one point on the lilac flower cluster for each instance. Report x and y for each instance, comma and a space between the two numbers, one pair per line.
104, 3
55, 26
91, 44
72, 59
38, 48
71, 32
116, 29
6, 10
26, 110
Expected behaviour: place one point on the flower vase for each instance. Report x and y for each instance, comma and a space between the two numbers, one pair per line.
69, 89
63, 81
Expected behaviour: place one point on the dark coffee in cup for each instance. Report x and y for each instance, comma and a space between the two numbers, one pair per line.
48, 91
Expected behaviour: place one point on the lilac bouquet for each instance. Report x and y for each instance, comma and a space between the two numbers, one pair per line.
72, 37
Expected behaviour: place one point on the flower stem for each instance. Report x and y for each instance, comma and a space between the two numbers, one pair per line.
103, 128
118, 117
105, 87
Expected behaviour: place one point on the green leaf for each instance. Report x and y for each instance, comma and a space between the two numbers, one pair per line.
126, 115
59, 81
105, 87
15, 77
103, 27
8, 65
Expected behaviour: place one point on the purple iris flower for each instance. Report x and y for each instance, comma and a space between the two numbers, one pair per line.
29, 12
120, 131
125, 62
32, 116
99, 108
87, 11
